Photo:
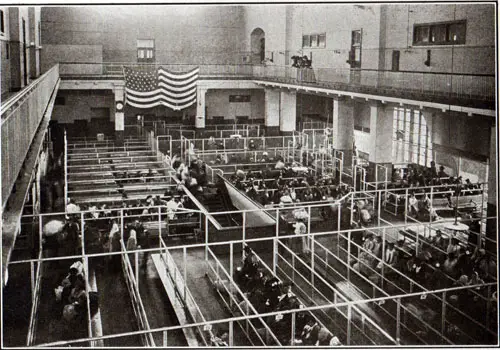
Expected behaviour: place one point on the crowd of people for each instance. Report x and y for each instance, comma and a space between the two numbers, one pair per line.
139, 176
286, 184
71, 298
442, 262
418, 181
420, 176
268, 294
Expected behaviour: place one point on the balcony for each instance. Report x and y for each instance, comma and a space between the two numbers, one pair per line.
449, 88
21, 116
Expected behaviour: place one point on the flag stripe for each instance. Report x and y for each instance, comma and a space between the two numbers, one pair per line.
139, 99
164, 90
164, 103
150, 88
176, 75
178, 83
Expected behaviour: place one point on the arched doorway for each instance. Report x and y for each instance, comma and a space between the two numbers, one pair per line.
258, 46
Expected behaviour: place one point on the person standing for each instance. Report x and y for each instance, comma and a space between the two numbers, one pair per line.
301, 229
114, 245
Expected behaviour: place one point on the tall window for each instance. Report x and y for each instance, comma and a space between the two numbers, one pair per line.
448, 33
411, 137
145, 50
355, 52
2, 24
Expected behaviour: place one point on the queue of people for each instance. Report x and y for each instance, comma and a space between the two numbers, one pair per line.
267, 294
71, 299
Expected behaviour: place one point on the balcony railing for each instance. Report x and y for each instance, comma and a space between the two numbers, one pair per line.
402, 84
444, 87
21, 115
82, 70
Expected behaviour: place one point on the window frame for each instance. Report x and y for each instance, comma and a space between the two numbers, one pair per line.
143, 52
355, 52
2, 22
415, 146
318, 43
418, 39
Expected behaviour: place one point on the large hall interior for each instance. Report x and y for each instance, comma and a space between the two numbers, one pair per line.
249, 175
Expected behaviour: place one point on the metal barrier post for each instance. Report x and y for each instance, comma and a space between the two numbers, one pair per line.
40, 233
83, 233
383, 259
339, 216
184, 256
65, 169
292, 340
231, 333
398, 320
308, 226
170, 142
443, 314
406, 206
312, 263
231, 263
32, 267
244, 230
417, 243
275, 254
277, 222
349, 255
159, 222
165, 338
136, 257
121, 222
349, 315
87, 290
206, 237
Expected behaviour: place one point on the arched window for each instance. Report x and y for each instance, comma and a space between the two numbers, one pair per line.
258, 46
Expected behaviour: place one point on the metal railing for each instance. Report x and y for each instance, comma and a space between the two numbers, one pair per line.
428, 84
21, 116
351, 305
450, 85
69, 69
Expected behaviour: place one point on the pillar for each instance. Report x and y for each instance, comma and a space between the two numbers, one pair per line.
288, 111
119, 116
343, 127
200, 108
381, 135
272, 112
492, 209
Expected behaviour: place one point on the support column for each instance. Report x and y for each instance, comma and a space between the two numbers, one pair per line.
343, 127
272, 112
492, 209
200, 108
288, 111
119, 116
381, 134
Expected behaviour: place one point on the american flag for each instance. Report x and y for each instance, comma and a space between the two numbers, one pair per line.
155, 87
